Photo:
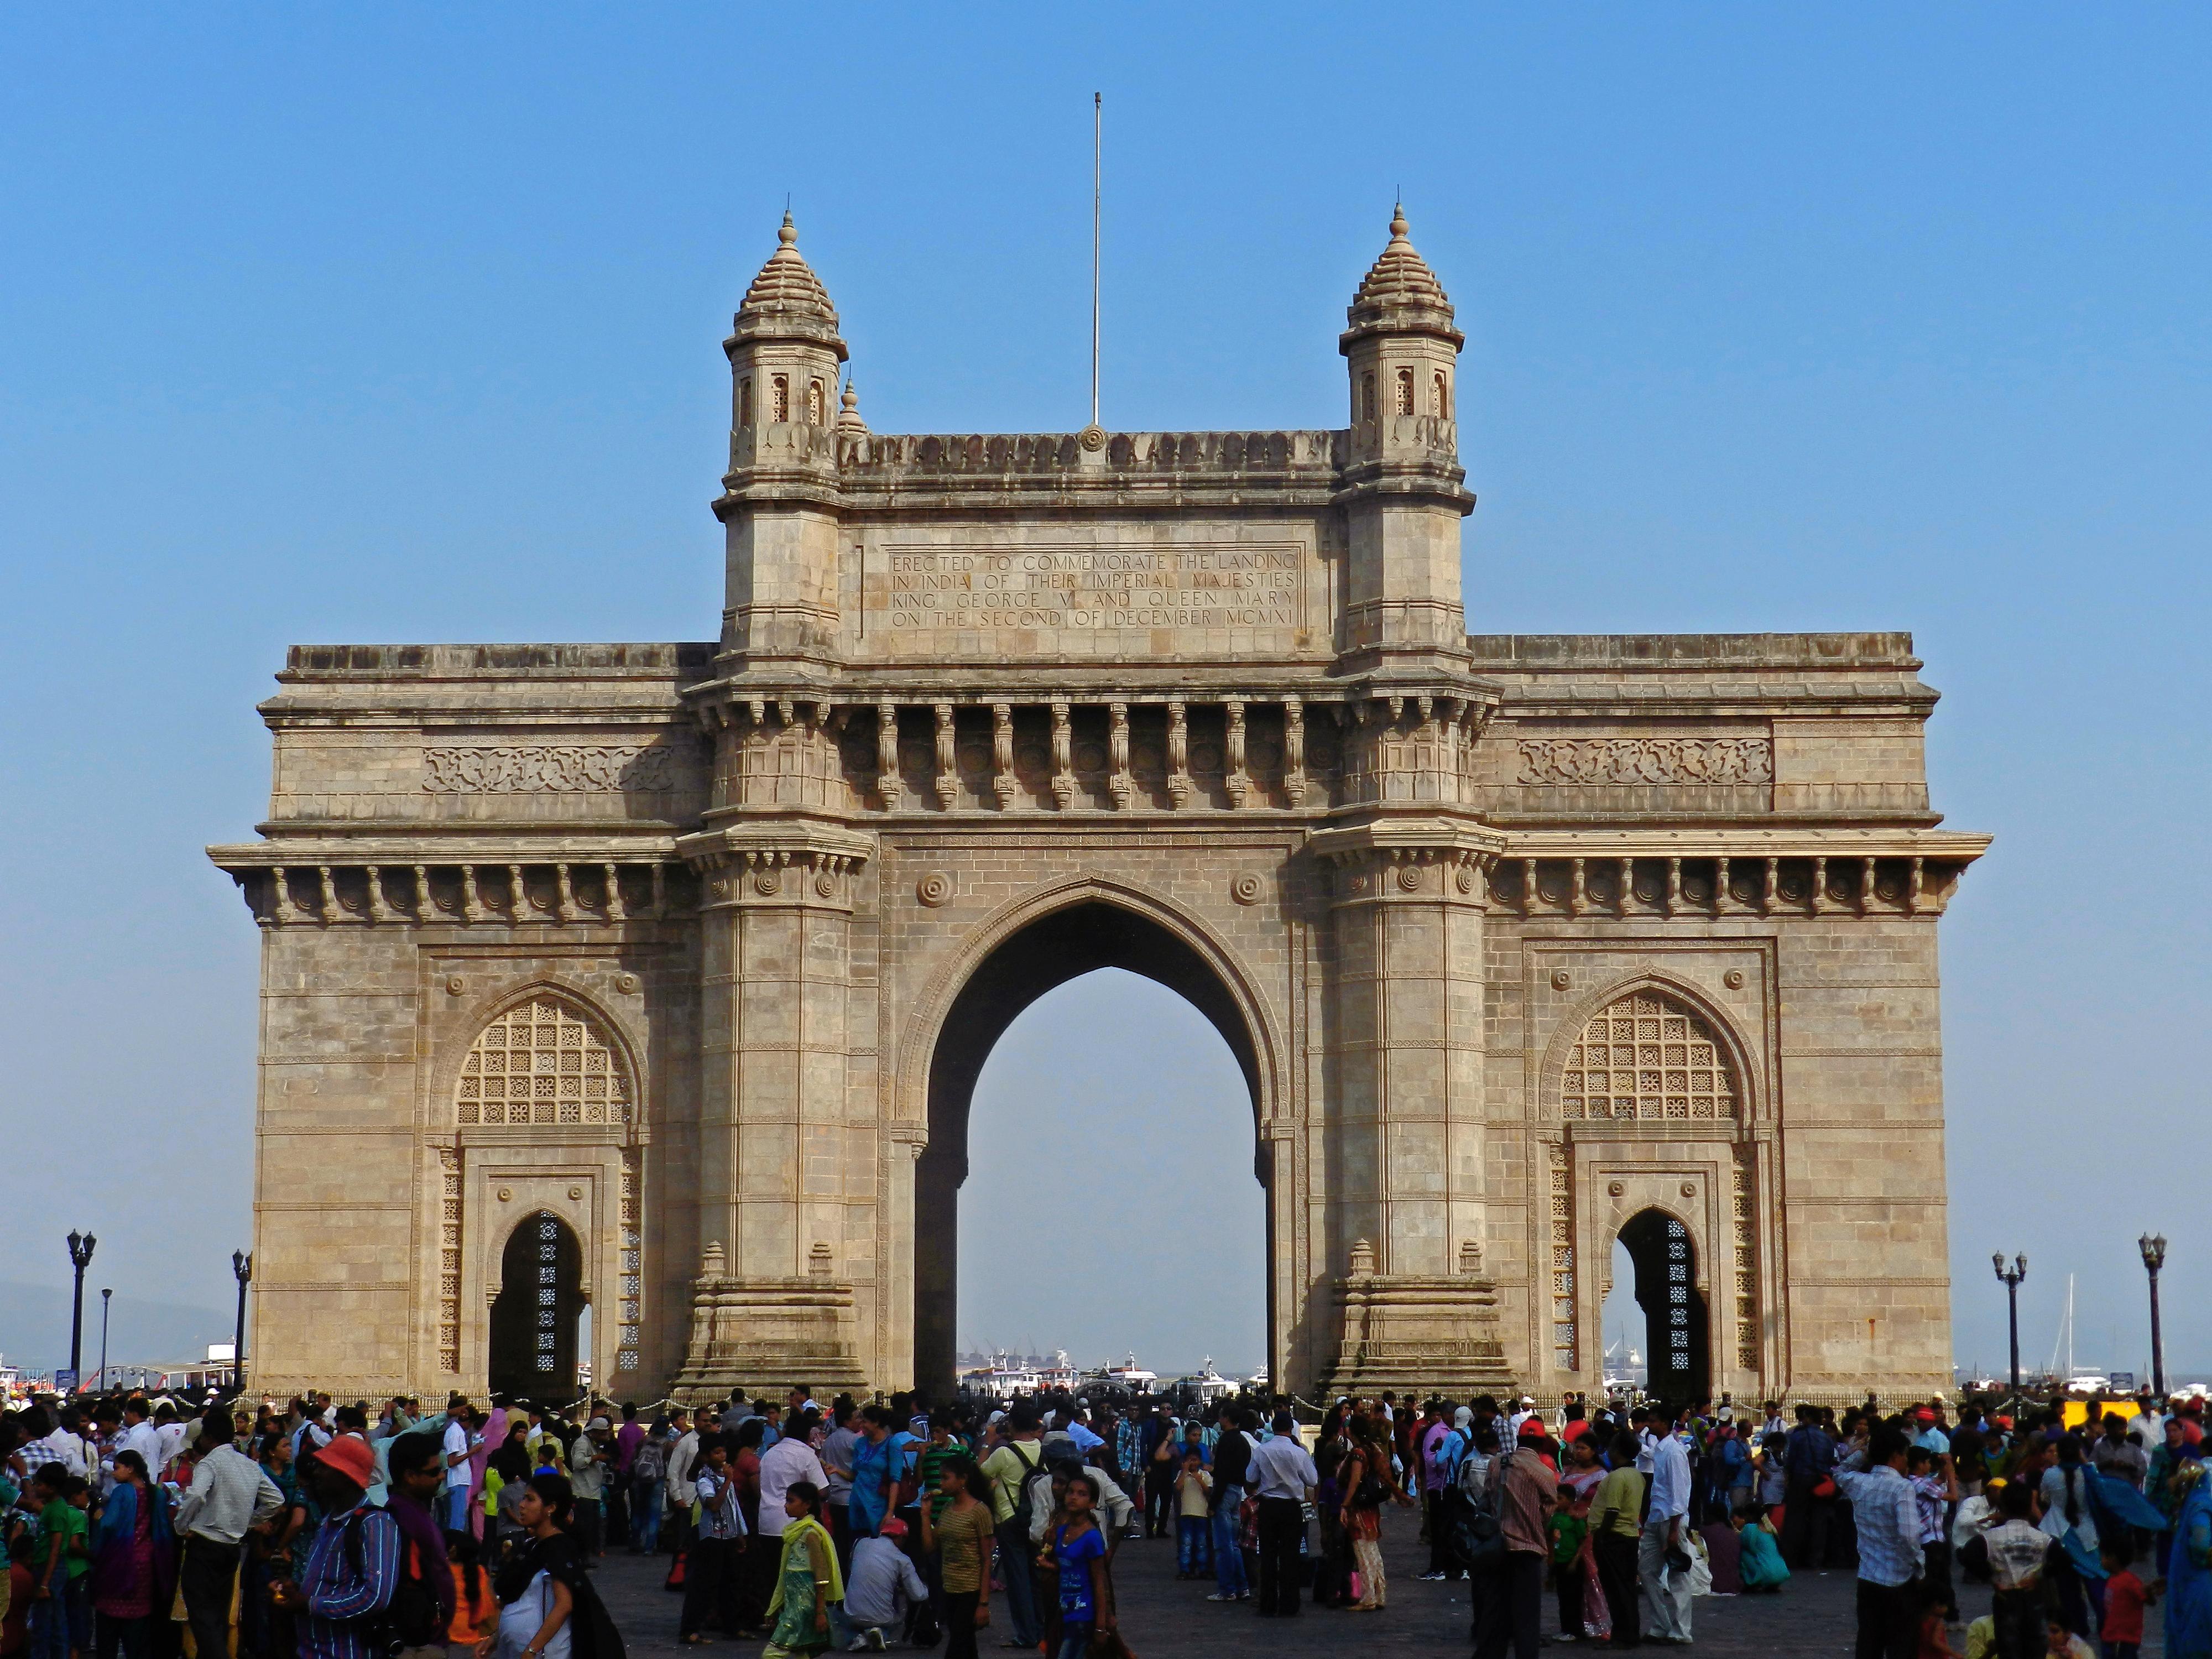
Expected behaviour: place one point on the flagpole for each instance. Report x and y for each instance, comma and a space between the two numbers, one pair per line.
1097, 133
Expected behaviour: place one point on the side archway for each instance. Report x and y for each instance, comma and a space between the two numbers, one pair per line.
535, 1317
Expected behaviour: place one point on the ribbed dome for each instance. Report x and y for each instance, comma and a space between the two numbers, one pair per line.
1399, 282
787, 294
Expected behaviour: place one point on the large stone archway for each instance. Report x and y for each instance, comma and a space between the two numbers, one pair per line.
984, 711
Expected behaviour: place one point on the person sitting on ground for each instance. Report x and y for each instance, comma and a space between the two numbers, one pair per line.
881, 1588
1759, 1561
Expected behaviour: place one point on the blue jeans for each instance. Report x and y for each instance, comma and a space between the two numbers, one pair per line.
645, 1499
1194, 1543
1074, 1641
1228, 1556
50, 1624
1015, 1553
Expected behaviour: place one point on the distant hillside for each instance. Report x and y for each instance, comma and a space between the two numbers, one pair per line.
34, 1327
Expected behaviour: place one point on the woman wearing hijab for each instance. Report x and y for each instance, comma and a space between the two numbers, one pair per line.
506, 1472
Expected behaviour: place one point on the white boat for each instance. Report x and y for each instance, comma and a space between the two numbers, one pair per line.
1130, 1375
2088, 1382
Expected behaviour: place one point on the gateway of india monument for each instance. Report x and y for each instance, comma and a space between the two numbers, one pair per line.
652, 981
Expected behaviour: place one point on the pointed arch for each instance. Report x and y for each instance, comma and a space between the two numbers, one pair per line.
542, 1054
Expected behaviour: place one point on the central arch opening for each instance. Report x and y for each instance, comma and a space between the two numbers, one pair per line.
1676, 1342
535, 1316
1065, 945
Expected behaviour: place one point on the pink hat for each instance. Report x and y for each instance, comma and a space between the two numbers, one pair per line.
892, 1528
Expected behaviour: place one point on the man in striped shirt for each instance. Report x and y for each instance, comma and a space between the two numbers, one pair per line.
353, 1566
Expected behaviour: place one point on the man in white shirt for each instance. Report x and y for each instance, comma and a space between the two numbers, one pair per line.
229, 1493
682, 1456
790, 1459
457, 1446
139, 1435
1666, 1590
63, 1446
1283, 1478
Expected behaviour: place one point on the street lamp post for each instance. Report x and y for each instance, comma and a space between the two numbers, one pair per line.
80, 1249
2153, 1246
104, 1295
2011, 1276
241, 1266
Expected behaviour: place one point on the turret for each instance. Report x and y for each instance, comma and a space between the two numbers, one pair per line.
780, 498
1405, 490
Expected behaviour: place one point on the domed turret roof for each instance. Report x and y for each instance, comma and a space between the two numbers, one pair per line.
787, 299
1400, 292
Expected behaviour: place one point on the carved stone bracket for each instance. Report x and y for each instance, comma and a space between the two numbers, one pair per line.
779, 863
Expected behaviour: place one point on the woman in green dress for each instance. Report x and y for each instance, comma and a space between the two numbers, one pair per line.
806, 1582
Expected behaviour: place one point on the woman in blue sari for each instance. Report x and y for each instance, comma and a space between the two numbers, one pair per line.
2189, 1574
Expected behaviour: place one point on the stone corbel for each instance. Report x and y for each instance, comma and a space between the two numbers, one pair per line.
888, 787
1238, 785
1178, 753
1294, 749
1118, 784
1002, 754
947, 780
1063, 765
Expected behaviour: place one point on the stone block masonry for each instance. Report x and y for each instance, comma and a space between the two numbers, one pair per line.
655, 979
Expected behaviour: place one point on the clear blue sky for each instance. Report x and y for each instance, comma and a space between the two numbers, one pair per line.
321, 326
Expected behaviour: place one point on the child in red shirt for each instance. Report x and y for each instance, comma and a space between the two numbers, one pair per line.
2122, 1633
22, 1585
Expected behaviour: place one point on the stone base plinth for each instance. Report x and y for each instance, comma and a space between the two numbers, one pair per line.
1419, 1334
767, 1334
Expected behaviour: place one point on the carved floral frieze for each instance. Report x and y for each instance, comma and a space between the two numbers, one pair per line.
549, 769
1646, 760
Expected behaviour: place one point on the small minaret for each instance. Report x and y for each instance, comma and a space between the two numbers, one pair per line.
781, 588
850, 424
1405, 490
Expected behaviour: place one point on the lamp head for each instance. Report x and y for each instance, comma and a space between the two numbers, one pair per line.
1997, 1261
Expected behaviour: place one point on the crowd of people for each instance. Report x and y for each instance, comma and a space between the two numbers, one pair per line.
149, 1529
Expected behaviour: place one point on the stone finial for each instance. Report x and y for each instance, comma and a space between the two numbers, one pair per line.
786, 301
818, 1260
1470, 1256
1362, 1258
850, 424
1399, 293
711, 1260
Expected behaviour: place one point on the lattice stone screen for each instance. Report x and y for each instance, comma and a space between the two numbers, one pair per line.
1647, 1056
543, 1061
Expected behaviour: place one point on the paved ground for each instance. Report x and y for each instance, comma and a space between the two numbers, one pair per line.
1165, 1618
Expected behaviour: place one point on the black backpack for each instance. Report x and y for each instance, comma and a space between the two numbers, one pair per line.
410, 1618
1025, 1508
1475, 1527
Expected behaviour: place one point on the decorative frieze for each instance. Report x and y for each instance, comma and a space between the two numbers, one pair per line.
1646, 760
545, 769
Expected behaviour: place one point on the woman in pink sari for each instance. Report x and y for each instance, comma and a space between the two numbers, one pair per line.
491, 1434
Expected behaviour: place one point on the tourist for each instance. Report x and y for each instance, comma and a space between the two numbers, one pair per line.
1510, 1609
352, 1567
1194, 1515
2189, 1567
807, 1577
590, 1463
1078, 1550
1574, 1562
1810, 1496
648, 1481
1367, 1481
1231, 1478
1161, 1434
1663, 1556
1886, 1511
1616, 1532
229, 1493
1284, 1480
959, 1537
881, 1591
1758, 1553
416, 1477
875, 1472
539, 1585
683, 1458
1014, 1469
838, 1446
134, 1560
712, 1566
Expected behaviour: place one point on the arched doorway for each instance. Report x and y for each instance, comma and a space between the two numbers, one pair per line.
1677, 1345
534, 1317
1048, 952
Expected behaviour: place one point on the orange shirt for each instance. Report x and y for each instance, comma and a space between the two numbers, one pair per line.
462, 1629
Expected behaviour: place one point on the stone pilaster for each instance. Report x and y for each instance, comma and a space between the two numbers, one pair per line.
777, 1302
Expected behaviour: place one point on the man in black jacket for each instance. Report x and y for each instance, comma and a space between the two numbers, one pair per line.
1232, 1464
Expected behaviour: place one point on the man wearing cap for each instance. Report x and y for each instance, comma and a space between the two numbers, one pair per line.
342, 1589
879, 1590
1928, 1432
229, 1493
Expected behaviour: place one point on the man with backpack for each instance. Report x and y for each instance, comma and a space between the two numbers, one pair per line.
1020, 1484
1519, 1495
352, 1569
422, 1599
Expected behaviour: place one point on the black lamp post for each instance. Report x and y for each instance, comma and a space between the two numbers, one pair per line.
2012, 1276
104, 1295
2153, 1246
80, 1249
241, 1265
